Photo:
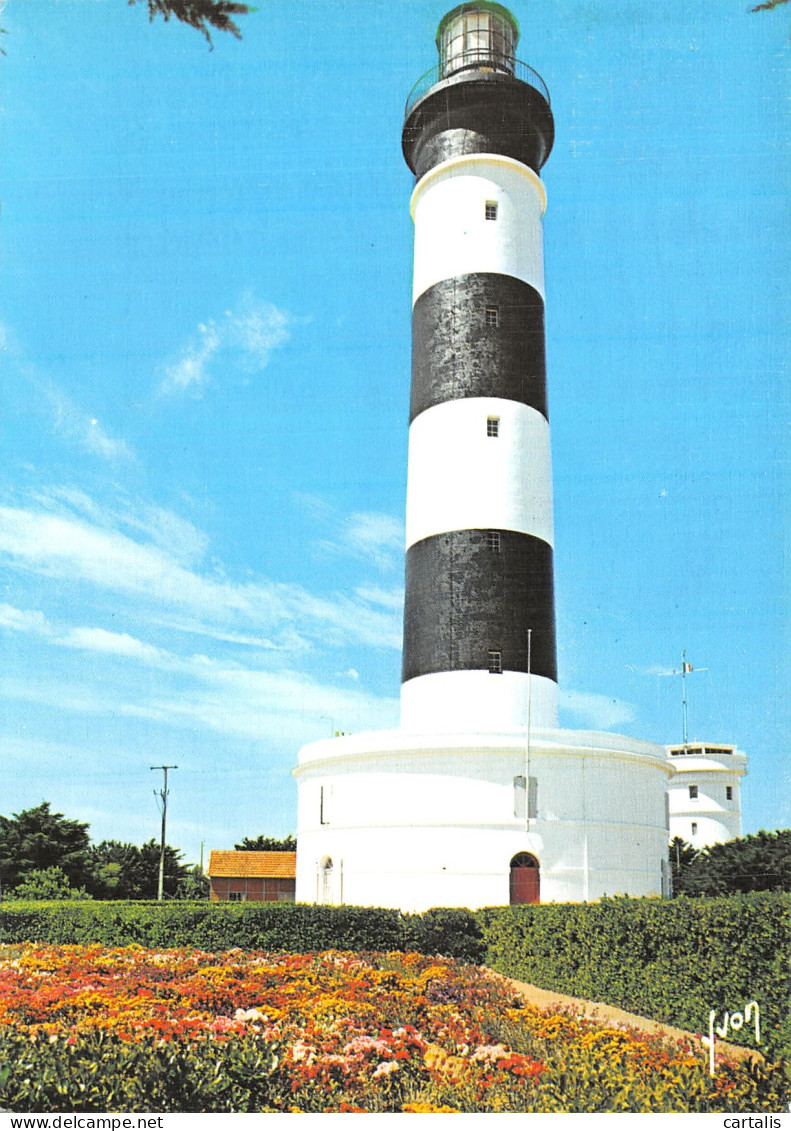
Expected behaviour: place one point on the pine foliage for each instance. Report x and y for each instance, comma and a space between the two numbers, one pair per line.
200, 14
267, 844
37, 839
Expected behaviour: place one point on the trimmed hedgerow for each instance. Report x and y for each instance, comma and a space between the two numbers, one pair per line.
284, 927
672, 960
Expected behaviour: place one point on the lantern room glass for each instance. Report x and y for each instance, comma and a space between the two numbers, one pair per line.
477, 37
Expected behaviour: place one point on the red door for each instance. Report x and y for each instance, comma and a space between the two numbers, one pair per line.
525, 884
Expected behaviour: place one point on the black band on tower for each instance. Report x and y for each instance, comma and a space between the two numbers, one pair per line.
473, 592
478, 112
478, 335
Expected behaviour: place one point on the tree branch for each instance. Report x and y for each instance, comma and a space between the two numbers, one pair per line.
200, 14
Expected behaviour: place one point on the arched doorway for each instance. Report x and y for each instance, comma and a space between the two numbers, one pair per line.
525, 885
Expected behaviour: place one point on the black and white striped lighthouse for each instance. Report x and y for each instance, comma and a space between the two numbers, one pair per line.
479, 798
479, 623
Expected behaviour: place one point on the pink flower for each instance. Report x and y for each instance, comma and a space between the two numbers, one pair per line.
223, 1025
386, 1068
489, 1053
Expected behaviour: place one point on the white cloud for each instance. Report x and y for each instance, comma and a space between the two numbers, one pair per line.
81, 428
167, 530
315, 507
263, 705
378, 537
191, 370
371, 537
256, 331
200, 693
287, 640
387, 598
113, 643
116, 671
68, 547
67, 418
54, 545
70, 499
34, 623
23, 620
250, 335
65, 695
600, 712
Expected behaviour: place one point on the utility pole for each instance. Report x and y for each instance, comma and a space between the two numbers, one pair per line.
163, 793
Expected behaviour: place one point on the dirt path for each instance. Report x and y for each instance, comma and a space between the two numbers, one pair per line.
600, 1011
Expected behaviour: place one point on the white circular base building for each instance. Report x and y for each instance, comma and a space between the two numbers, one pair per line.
413, 821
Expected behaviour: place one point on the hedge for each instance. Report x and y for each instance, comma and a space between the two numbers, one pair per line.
293, 928
671, 960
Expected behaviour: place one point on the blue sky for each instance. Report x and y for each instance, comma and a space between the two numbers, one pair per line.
205, 320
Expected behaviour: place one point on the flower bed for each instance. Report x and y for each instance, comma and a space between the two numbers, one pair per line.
86, 1028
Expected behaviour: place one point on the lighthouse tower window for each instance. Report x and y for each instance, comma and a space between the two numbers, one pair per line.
493, 426
693, 792
495, 663
493, 541
729, 793
694, 828
491, 210
492, 316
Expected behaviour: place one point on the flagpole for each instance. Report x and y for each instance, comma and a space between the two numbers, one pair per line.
527, 734
684, 693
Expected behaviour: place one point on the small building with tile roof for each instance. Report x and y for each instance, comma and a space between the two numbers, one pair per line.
261, 877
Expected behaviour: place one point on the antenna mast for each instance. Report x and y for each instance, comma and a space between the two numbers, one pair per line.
684, 671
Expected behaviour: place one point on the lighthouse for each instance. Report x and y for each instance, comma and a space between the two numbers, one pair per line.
478, 798
479, 563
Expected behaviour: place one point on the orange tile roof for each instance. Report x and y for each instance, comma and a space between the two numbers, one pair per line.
274, 865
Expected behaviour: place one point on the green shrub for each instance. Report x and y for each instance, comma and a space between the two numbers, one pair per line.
451, 931
102, 1072
673, 961
293, 928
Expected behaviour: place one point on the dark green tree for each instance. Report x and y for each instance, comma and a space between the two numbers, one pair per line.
124, 871
759, 862
48, 883
267, 844
36, 839
116, 871
195, 884
200, 14
681, 856
175, 871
